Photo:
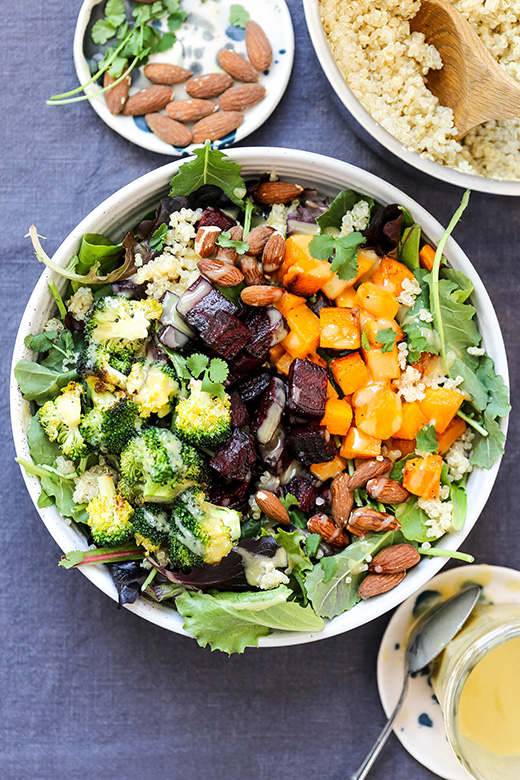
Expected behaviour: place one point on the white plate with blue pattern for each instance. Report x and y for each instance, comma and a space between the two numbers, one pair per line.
207, 29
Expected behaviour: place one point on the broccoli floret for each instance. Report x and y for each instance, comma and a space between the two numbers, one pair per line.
202, 419
150, 523
200, 532
153, 387
117, 321
111, 366
112, 422
60, 419
109, 515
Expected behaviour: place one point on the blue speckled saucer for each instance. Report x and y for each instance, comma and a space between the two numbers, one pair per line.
420, 726
205, 31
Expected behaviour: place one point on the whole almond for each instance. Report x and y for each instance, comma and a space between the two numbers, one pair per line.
252, 270
168, 130
228, 253
191, 109
237, 66
273, 254
272, 507
374, 584
163, 73
341, 499
387, 491
364, 520
206, 239
322, 524
257, 238
368, 470
147, 100
271, 192
208, 85
117, 96
258, 47
223, 274
260, 295
241, 97
391, 560
216, 126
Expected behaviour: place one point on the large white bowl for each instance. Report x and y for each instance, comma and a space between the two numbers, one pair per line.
374, 135
124, 209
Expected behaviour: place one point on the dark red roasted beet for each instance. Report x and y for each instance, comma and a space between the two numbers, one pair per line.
244, 363
267, 419
303, 489
235, 458
307, 389
226, 334
250, 389
272, 453
311, 444
267, 327
321, 302
233, 497
239, 413
200, 302
213, 216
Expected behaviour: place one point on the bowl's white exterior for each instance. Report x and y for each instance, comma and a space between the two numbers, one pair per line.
374, 134
123, 210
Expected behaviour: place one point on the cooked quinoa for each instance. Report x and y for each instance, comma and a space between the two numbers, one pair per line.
385, 66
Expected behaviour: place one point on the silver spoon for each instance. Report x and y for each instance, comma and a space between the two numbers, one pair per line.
428, 640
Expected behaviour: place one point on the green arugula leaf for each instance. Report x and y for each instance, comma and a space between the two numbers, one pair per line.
421, 336
299, 564
210, 167
225, 240
238, 16
498, 393
158, 238
426, 439
197, 363
414, 521
486, 449
459, 498
464, 286
58, 299
386, 337
102, 31
438, 551
312, 543
38, 383
342, 203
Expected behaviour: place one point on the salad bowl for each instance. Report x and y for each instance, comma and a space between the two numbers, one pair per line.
118, 214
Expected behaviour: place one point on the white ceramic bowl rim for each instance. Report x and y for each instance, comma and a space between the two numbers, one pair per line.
134, 200
372, 126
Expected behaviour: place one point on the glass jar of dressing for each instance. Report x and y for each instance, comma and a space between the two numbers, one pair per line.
477, 682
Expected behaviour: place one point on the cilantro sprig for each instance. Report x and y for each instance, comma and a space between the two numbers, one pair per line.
386, 337
226, 241
214, 372
426, 439
238, 16
342, 250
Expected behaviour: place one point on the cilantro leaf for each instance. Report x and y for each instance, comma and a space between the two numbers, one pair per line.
196, 364
426, 440
115, 12
166, 42
158, 238
365, 343
322, 247
386, 337
345, 258
225, 240
289, 500
102, 31
312, 543
342, 203
218, 370
176, 20
210, 167
238, 16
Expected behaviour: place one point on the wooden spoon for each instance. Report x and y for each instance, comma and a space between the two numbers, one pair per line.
470, 82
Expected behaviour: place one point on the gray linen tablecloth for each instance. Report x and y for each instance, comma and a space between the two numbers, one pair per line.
93, 693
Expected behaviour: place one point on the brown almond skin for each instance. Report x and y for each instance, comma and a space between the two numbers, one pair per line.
272, 507
191, 109
168, 130
258, 47
272, 192
322, 524
368, 470
387, 491
241, 97
208, 85
252, 270
398, 557
260, 295
273, 254
364, 519
237, 66
216, 126
257, 238
164, 73
118, 95
374, 584
341, 499
223, 274
228, 253
206, 239
148, 100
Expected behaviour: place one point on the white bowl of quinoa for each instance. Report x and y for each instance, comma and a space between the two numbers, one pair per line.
377, 69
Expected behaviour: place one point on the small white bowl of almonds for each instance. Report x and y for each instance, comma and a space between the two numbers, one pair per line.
218, 72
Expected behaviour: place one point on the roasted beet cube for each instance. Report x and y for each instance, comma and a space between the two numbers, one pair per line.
213, 216
235, 458
251, 388
226, 334
307, 389
267, 419
311, 444
200, 302
239, 413
234, 497
244, 363
267, 327
321, 301
272, 453
303, 489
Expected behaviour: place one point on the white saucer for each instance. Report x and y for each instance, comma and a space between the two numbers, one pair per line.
205, 31
420, 726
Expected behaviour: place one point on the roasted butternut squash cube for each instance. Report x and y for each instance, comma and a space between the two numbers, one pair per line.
368, 393
306, 277
275, 353
405, 446
390, 274
377, 301
382, 417
347, 299
426, 257
287, 302
358, 444
323, 471
350, 372
440, 405
339, 328
304, 336
382, 365
284, 363
315, 358
335, 287
372, 325
413, 421
422, 476
338, 416
331, 391
453, 432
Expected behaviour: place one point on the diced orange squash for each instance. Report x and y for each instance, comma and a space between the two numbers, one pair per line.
382, 365
350, 372
307, 276
328, 470
335, 286
357, 444
372, 326
377, 301
453, 432
296, 249
347, 298
276, 352
287, 302
426, 257
283, 363
368, 393
413, 421
405, 446
338, 416
339, 328
315, 358
331, 390
366, 260
440, 405
304, 336
422, 476
382, 417
390, 274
